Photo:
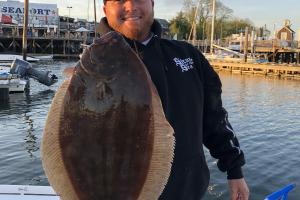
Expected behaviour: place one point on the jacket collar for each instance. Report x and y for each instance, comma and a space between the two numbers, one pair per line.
104, 28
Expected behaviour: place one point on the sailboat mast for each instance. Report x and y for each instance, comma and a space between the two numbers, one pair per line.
212, 25
193, 28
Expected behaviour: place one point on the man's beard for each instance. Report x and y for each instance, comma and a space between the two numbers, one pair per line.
133, 34
137, 32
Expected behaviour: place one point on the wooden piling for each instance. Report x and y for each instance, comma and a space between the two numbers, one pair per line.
4, 93
24, 43
246, 44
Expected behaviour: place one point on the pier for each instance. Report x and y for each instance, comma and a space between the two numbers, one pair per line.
58, 47
267, 69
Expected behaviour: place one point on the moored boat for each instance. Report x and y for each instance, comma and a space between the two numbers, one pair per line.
12, 57
13, 82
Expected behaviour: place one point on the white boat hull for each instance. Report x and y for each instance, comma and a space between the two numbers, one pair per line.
26, 192
18, 85
14, 84
44, 58
12, 57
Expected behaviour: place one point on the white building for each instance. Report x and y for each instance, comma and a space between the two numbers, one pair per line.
40, 14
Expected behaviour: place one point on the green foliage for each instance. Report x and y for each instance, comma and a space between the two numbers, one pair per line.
235, 26
180, 26
225, 24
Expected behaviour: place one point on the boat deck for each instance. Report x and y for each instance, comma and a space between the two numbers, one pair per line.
25, 192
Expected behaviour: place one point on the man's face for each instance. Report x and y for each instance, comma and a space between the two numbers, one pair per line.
132, 18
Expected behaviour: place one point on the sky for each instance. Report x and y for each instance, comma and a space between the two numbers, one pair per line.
260, 12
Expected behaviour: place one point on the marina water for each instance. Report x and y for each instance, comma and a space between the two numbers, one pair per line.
264, 112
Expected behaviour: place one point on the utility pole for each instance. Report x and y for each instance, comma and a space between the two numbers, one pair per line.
212, 25
95, 18
25, 25
69, 7
68, 46
88, 11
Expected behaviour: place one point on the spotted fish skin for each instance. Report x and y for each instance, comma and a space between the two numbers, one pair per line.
106, 136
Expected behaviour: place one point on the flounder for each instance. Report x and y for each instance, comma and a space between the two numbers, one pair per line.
106, 136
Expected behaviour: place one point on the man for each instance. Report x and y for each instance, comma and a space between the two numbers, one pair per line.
190, 92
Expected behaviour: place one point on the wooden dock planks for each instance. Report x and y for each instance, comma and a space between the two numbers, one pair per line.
273, 69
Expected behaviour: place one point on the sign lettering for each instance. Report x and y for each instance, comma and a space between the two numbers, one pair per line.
11, 10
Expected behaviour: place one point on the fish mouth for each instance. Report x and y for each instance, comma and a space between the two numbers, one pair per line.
100, 54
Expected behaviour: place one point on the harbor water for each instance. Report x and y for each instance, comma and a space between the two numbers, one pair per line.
264, 111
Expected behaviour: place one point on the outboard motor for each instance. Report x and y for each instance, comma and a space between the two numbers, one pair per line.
25, 70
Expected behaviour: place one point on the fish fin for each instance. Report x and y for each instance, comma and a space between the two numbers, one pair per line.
51, 149
68, 71
162, 155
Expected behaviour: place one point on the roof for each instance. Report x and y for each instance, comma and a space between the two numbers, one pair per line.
288, 28
82, 29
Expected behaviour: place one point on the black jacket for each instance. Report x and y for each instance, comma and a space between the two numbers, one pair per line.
190, 92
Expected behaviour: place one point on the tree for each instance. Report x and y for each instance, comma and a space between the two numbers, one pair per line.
225, 23
203, 16
180, 26
223, 13
236, 26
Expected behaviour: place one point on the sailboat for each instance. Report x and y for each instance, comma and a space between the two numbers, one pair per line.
223, 53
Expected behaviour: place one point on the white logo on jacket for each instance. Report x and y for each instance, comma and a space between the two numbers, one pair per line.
184, 64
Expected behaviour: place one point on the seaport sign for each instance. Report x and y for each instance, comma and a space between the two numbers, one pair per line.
11, 10
39, 13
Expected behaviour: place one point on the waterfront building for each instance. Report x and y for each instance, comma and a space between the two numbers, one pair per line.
286, 33
42, 18
40, 14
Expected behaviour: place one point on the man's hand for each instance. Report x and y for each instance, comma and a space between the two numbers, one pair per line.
238, 189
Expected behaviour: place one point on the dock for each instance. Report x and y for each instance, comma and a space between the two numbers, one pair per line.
60, 48
266, 69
